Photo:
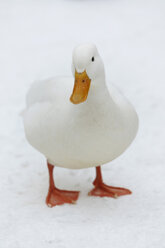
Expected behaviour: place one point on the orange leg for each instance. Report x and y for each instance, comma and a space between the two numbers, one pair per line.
56, 196
102, 189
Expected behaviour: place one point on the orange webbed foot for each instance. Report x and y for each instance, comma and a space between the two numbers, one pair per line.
103, 190
59, 197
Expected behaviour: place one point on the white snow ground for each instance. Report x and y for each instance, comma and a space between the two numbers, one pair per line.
36, 41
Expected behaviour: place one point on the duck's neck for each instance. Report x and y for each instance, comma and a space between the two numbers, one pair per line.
98, 92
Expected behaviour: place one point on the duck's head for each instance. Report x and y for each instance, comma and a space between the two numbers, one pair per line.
87, 68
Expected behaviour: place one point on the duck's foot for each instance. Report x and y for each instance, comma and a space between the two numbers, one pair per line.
104, 190
58, 197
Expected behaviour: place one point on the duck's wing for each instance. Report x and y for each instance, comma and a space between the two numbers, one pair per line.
118, 96
40, 91
49, 90
129, 115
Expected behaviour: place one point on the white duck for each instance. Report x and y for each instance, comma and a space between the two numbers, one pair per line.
79, 123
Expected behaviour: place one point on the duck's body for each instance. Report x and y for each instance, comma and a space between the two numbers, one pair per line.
94, 127
78, 136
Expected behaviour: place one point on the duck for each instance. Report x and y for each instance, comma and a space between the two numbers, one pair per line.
79, 122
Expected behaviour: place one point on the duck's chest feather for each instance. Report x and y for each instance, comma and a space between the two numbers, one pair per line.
80, 136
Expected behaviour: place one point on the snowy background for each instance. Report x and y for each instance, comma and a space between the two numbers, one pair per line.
36, 42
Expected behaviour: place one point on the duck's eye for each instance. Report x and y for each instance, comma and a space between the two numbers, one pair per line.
93, 59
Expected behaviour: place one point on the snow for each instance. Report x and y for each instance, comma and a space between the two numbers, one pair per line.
37, 38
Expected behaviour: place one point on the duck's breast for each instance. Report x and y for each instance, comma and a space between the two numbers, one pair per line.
79, 136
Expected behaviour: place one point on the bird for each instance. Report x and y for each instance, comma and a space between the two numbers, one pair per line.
79, 122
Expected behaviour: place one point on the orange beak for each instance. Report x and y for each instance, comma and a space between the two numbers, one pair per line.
81, 88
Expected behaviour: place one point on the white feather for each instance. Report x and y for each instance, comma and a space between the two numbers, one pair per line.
84, 135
